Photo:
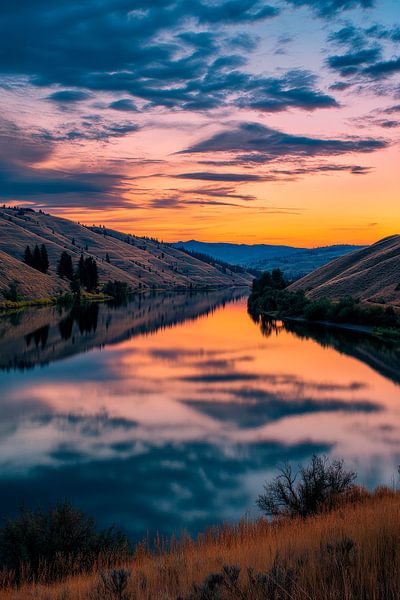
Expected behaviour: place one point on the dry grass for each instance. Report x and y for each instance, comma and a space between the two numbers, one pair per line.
142, 264
351, 553
372, 273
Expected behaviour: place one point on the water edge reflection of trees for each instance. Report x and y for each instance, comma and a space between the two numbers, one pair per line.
383, 356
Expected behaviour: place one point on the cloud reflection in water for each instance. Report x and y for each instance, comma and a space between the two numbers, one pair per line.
160, 428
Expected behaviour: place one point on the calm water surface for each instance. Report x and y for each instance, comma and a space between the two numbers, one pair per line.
171, 412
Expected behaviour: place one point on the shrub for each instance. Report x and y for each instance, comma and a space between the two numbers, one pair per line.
308, 490
318, 310
276, 584
11, 293
50, 545
118, 290
112, 586
65, 267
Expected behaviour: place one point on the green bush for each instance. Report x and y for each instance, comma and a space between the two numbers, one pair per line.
118, 290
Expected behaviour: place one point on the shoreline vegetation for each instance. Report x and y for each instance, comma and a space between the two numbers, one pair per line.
42, 255
67, 299
324, 538
271, 298
83, 281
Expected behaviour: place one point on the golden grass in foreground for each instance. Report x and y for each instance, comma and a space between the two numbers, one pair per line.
313, 547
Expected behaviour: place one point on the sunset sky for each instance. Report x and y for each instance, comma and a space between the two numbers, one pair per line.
220, 120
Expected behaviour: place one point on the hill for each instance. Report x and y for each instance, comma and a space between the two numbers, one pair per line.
140, 262
294, 262
237, 254
370, 274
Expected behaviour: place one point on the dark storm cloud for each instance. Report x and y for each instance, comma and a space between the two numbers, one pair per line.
294, 89
21, 174
153, 53
344, 63
125, 105
383, 69
329, 8
364, 51
357, 37
269, 144
68, 96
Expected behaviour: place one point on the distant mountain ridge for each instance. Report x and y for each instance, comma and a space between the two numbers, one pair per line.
372, 274
142, 263
293, 261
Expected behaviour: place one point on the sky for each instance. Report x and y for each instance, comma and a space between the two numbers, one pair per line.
218, 120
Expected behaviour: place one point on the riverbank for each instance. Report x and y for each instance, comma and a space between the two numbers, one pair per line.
329, 324
351, 553
10, 306
271, 297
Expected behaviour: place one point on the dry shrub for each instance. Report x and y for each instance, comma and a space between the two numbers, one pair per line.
349, 553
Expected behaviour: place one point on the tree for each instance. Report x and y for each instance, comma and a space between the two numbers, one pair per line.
308, 490
107, 257
118, 290
81, 270
87, 273
28, 256
44, 259
92, 277
36, 258
65, 267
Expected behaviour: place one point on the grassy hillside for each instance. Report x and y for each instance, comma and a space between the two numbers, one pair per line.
372, 274
141, 263
351, 553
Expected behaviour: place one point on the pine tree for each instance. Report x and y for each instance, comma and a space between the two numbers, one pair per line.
44, 259
107, 258
28, 256
92, 277
81, 271
65, 267
36, 258
87, 273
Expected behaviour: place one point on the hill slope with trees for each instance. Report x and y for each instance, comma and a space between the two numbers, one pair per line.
141, 263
